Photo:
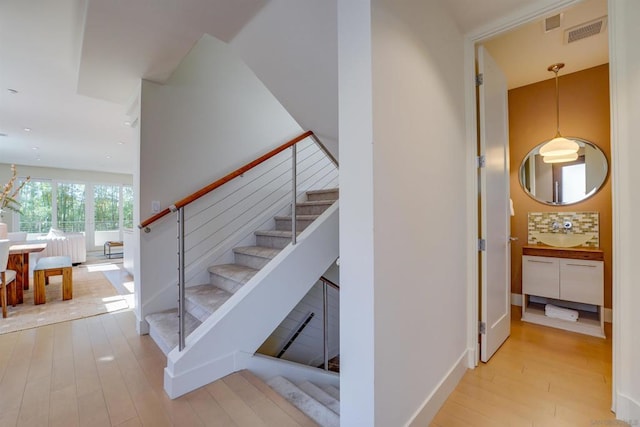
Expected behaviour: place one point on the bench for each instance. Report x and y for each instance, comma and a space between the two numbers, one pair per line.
111, 244
52, 266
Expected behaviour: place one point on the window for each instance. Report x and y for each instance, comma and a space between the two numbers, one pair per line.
71, 207
36, 206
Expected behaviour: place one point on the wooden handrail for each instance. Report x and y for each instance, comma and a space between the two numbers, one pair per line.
330, 283
216, 184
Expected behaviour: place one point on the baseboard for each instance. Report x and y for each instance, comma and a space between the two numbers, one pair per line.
608, 315
627, 410
516, 299
177, 385
436, 399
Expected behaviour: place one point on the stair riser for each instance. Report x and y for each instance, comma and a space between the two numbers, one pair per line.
285, 224
225, 283
251, 261
311, 209
273, 241
196, 310
330, 195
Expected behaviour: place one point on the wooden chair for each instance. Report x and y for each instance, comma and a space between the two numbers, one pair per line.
7, 278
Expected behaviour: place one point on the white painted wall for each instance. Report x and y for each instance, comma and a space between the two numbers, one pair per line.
291, 45
419, 203
212, 116
625, 87
357, 358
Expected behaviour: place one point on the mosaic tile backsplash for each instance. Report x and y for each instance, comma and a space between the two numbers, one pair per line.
583, 222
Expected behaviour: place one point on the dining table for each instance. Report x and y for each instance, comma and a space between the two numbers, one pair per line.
19, 262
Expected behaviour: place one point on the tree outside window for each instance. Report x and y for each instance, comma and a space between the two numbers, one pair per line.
36, 206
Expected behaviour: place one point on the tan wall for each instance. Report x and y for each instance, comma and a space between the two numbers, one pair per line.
584, 113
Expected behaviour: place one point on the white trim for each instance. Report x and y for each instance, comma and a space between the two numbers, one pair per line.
436, 399
608, 315
516, 299
267, 367
628, 410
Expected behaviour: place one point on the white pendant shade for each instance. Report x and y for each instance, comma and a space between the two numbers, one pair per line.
560, 159
559, 146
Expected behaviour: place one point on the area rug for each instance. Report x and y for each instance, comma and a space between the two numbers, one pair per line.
93, 294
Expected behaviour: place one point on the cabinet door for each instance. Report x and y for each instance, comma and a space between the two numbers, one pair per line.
540, 276
582, 281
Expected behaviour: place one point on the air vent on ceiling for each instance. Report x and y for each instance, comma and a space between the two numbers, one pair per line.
585, 30
552, 22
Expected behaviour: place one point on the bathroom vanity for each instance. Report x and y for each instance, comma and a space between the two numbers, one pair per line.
567, 277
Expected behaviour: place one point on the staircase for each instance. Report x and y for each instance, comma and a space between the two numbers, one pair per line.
321, 403
226, 279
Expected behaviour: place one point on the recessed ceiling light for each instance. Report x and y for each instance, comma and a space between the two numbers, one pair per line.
27, 129
127, 123
120, 143
12, 91
108, 156
34, 148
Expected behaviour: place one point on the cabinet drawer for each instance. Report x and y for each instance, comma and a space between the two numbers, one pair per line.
582, 281
540, 276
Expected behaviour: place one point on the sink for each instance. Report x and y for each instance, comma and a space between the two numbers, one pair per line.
562, 240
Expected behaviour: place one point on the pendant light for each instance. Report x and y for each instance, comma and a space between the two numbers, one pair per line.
560, 159
559, 145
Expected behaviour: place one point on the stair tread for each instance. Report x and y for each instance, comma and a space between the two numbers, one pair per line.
320, 395
207, 296
299, 217
236, 272
274, 233
307, 404
332, 391
165, 325
315, 203
324, 190
259, 251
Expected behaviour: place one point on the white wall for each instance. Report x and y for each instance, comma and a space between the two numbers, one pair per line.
420, 231
357, 358
291, 45
212, 116
625, 87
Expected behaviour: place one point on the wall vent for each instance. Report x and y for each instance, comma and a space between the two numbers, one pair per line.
585, 30
552, 22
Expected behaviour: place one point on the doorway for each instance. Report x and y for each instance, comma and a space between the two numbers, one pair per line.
536, 131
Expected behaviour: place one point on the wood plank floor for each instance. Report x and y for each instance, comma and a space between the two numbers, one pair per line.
539, 377
98, 372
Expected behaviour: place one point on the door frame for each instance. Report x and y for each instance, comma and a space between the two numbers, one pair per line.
535, 11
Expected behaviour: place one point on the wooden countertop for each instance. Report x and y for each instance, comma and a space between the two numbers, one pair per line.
592, 254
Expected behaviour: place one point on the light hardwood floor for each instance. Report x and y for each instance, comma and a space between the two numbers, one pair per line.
98, 372
540, 377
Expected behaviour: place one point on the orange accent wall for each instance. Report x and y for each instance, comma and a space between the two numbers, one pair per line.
584, 113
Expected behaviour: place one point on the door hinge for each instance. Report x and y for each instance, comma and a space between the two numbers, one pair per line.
482, 161
482, 328
479, 79
482, 245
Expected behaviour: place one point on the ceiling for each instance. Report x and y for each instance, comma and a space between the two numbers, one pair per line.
75, 66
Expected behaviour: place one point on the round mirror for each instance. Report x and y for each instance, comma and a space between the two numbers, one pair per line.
566, 182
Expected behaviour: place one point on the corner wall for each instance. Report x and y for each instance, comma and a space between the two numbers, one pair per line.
625, 85
420, 236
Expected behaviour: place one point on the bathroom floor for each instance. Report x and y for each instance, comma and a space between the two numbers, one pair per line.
541, 376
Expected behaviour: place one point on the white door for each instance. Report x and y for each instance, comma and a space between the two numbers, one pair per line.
495, 283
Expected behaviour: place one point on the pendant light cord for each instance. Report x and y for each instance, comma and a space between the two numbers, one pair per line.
555, 68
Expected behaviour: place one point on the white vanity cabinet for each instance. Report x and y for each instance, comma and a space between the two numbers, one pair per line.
572, 278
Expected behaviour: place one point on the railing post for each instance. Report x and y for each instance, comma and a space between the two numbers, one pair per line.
181, 284
294, 164
325, 324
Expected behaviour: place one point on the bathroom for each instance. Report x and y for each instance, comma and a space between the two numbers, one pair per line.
582, 111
